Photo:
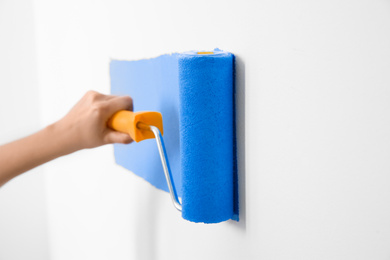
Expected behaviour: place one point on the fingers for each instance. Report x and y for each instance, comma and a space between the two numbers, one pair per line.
106, 105
117, 137
108, 97
96, 96
119, 103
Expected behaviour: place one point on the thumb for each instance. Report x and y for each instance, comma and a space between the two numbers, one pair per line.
117, 137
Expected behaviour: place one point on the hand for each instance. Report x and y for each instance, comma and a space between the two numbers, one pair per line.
85, 126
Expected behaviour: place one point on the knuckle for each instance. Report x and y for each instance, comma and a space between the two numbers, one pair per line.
92, 95
99, 109
95, 108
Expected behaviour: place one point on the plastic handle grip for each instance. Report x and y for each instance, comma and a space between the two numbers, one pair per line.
126, 122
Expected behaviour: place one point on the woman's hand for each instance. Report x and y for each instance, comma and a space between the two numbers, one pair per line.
85, 126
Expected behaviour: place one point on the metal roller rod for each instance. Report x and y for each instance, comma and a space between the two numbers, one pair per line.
164, 162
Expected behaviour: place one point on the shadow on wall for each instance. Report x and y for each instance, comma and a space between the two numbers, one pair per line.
240, 135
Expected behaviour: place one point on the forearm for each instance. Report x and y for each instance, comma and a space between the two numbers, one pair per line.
29, 152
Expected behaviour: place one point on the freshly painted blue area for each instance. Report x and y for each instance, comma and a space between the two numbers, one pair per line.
153, 84
195, 95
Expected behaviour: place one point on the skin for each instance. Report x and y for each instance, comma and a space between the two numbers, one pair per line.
85, 126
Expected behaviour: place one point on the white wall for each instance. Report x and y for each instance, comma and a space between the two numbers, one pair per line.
314, 114
23, 216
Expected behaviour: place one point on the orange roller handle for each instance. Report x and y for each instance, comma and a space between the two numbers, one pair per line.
127, 122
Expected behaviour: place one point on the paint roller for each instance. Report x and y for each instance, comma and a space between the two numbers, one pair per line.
194, 92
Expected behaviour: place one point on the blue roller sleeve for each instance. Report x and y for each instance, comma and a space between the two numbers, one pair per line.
206, 139
194, 93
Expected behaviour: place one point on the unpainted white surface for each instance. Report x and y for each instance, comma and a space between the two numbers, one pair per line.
313, 105
23, 213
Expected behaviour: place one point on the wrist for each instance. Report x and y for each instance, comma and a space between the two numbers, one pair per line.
61, 138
